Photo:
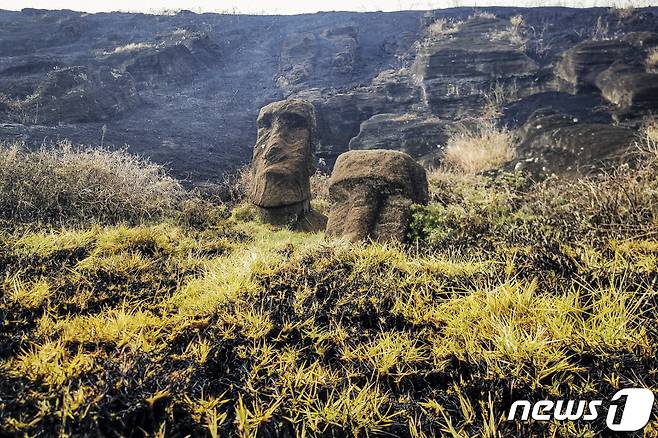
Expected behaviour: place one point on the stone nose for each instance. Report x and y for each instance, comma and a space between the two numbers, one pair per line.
275, 150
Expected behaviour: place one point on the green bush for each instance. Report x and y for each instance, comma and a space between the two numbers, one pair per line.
469, 210
489, 211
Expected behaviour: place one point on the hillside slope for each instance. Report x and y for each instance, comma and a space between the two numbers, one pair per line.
185, 89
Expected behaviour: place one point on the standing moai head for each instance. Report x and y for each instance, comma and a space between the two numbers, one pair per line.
371, 194
283, 162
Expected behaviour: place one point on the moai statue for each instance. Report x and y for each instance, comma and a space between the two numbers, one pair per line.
371, 192
283, 162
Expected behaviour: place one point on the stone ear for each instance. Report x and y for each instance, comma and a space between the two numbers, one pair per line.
311, 165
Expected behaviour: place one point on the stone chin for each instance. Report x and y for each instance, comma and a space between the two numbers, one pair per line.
278, 188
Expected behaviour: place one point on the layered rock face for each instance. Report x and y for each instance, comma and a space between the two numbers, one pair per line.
629, 87
185, 89
340, 114
371, 194
283, 162
79, 94
415, 134
306, 57
559, 143
581, 64
614, 68
456, 68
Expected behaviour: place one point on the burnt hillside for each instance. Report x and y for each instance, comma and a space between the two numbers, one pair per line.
186, 89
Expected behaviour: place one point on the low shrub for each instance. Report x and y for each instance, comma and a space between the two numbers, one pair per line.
483, 15
442, 27
66, 184
651, 133
320, 192
245, 212
236, 185
200, 213
513, 33
477, 211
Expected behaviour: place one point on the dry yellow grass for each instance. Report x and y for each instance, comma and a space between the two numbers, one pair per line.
652, 59
484, 147
131, 47
651, 132
513, 33
67, 183
320, 186
237, 184
442, 27
483, 15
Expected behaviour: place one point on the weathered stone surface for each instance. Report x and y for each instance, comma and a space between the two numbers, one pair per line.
563, 144
588, 108
173, 58
455, 71
416, 134
581, 64
79, 94
173, 62
20, 80
306, 57
283, 162
629, 87
340, 114
645, 40
204, 77
371, 193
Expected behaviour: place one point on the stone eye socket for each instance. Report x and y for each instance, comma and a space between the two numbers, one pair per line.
293, 121
265, 122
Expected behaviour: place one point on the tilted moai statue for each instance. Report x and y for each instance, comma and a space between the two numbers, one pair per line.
371, 193
283, 162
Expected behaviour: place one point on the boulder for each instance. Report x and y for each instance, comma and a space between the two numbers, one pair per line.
371, 193
340, 114
79, 94
416, 134
581, 64
629, 87
283, 162
561, 143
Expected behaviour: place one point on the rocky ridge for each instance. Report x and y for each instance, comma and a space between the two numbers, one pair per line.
186, 89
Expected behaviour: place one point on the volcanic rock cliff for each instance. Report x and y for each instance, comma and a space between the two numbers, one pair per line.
186, 89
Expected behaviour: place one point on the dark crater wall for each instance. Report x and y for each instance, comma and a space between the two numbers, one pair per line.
185, 90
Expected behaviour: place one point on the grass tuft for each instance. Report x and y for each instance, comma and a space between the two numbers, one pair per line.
477, 149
